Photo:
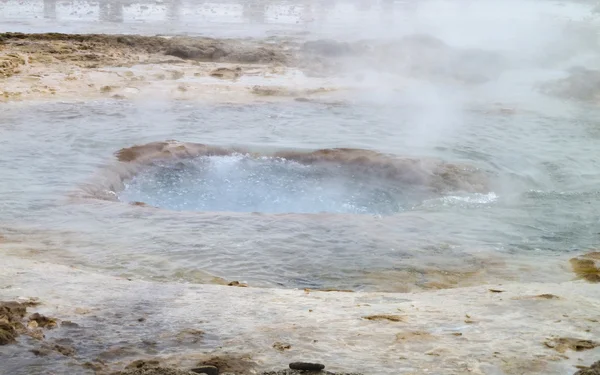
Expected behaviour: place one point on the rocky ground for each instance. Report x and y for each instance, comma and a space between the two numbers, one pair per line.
51, 65
132, 327
69, 320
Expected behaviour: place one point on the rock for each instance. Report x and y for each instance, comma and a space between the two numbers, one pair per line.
11, 316
190, 336
237, 283
68, 324
8, 334
208, 370
41, 352
234, 363
11, 64
587, 266
562, 344
392, 318
594, 369
142, 363
306, 366
42, 321
226, 73
46, 349
154, 371
281, 346
65, 350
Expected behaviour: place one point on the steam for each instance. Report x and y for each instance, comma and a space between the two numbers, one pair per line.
439, 59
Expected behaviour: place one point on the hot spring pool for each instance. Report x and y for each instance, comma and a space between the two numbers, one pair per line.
421, 220
239, 183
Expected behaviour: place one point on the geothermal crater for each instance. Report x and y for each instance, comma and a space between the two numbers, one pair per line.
197, 177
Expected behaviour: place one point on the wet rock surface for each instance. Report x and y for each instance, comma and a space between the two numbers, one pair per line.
594, 369
563, 344
383, 317
307, 366
12, 323
208, 370
587, 266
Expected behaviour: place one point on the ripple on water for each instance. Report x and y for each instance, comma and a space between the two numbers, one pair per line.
240, 183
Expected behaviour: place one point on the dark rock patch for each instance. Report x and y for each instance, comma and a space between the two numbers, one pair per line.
208, 370
391, 318
306, 366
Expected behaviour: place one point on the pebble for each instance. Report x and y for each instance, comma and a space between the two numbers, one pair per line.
306, 366
208, 370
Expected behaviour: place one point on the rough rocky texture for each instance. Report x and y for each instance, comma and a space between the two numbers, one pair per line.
234, 363
391, 318
37, 320
11, 320
307, 366
208, 370
594, 369
587, 266
10, 64
119, 50
154, 371
300, 372
562, 344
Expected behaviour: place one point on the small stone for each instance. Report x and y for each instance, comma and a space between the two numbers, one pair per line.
208, 370
38, 320
281, 346
237, 283
306, 366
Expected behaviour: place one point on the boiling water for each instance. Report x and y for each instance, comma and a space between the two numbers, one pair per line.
272, 185
542, 201
277, 223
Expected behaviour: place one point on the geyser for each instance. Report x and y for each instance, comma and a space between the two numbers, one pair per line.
265, 184
196, 177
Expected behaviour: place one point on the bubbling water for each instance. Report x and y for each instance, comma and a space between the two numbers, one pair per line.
265, 184
197, 177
